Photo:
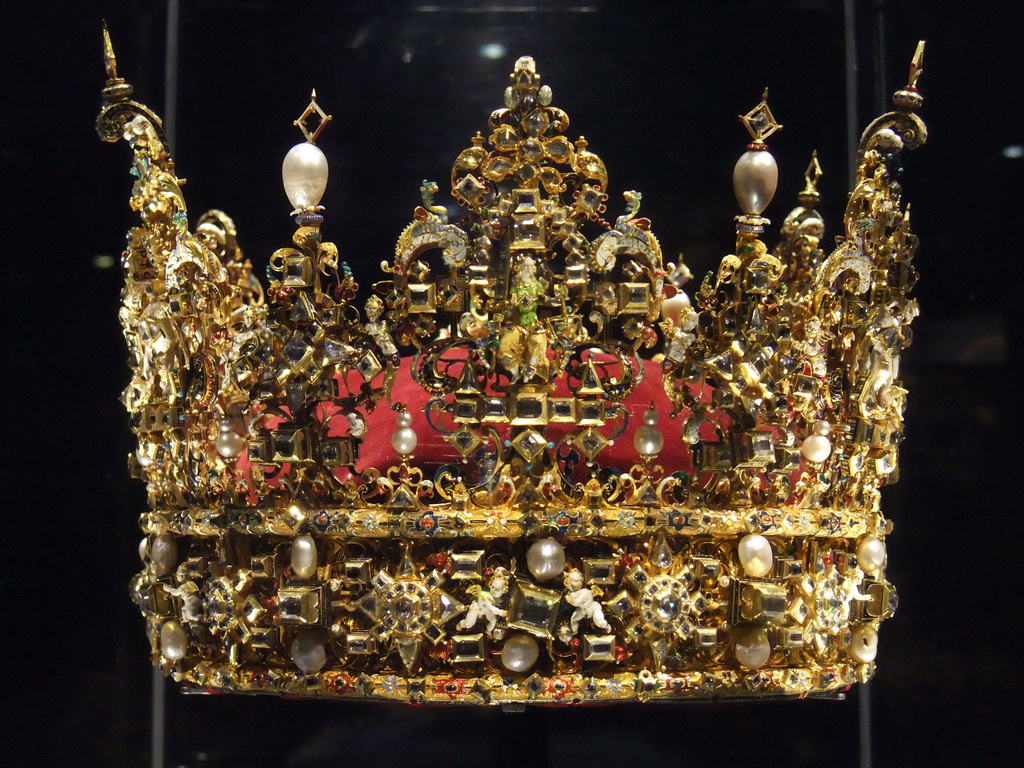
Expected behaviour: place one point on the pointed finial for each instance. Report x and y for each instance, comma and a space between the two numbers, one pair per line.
908, 98
916, 65
116, 89
109, 59
760, 123
312, 109
811, 175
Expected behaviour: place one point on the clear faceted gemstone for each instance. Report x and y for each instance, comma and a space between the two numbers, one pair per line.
668, 605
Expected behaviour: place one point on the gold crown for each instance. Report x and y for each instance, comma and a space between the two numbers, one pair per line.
528, 470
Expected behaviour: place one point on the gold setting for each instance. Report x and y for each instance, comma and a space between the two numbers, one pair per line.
718, 535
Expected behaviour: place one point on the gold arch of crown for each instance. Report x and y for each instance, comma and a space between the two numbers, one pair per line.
519, 567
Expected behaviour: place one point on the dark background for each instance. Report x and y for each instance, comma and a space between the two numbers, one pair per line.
655, 88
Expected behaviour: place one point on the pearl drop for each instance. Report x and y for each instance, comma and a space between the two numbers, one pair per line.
673, 309
304, 557
651, 417
404, 440
545, 559
755, 552
648, 440
404, 419
754, 180
816, 448
822, 428
752, 648
163, 551
519, 653
304, 173
173, 642
307, 651
871, 555
863, 645
230, 444
143, 549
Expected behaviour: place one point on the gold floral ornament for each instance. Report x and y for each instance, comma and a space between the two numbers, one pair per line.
584, 487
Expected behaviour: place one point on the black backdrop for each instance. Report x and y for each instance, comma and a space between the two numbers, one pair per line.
655, 88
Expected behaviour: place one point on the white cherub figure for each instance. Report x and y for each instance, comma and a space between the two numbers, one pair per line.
484, 605
582, 599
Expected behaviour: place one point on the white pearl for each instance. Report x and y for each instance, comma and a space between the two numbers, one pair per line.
404, 440
545, 559
755, 553
304, 556
651, 417
754, 179
519, 653
143, 549
404, 419
163, 551
307, 651
815, 448
863, 645
229, 444
648, 440
871, 555
822, 428
673, 309
173, 642
304, 173
752, 648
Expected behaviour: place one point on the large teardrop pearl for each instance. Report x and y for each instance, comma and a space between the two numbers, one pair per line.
304, 173
304, 556
545, 559
754, 179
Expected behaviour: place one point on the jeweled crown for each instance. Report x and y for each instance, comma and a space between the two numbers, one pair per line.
528, 469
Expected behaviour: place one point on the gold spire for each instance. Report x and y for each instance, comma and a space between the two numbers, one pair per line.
108, 54
812, 175
916, 65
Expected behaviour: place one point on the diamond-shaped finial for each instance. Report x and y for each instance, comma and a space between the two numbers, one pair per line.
312, 109
760, 122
